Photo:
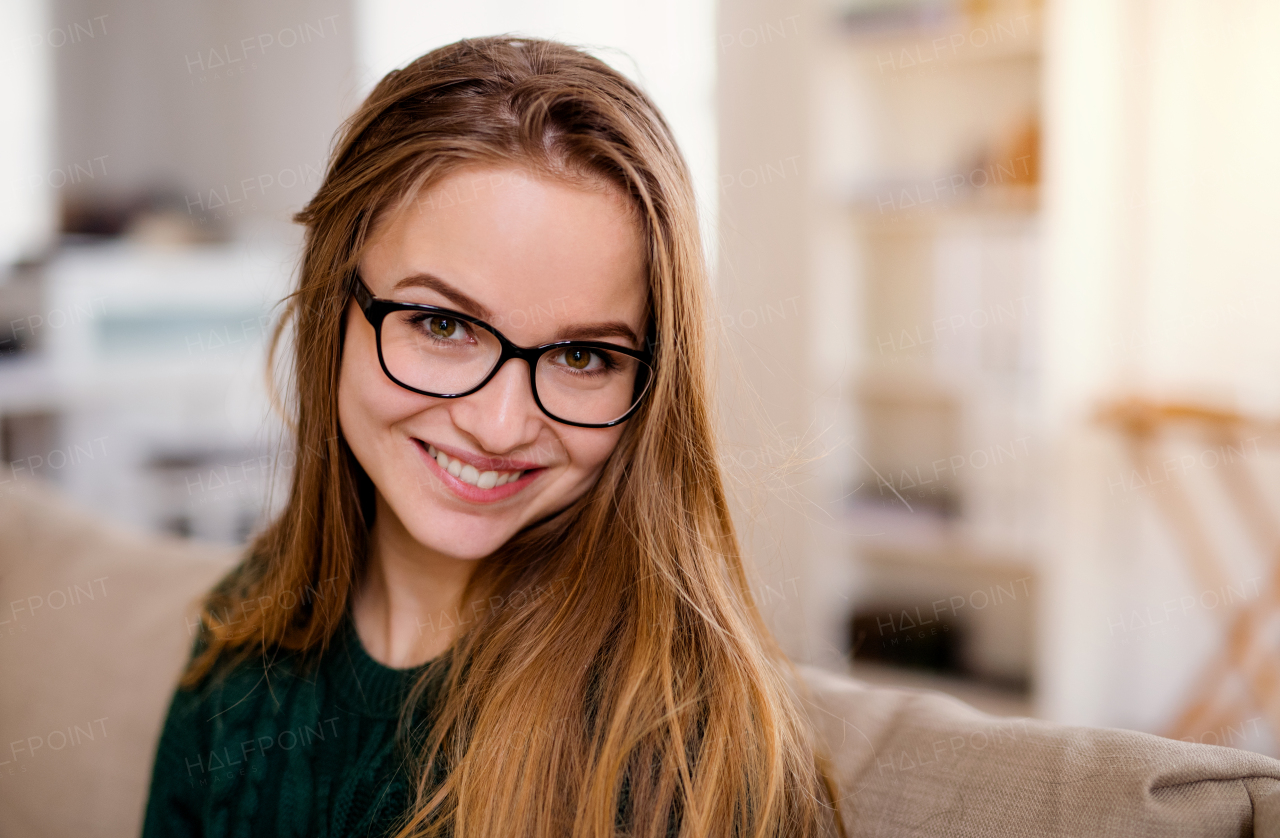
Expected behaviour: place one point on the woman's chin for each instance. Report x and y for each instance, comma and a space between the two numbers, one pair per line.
459, 546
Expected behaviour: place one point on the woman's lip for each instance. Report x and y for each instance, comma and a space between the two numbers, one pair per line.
475, 494
481, 464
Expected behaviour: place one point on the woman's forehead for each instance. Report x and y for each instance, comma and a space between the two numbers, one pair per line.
522, 249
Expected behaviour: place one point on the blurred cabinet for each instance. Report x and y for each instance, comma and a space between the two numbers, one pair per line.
140, 384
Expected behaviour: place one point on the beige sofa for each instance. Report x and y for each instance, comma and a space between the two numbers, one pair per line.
95, 626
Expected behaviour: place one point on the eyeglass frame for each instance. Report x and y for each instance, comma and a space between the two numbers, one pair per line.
376, 309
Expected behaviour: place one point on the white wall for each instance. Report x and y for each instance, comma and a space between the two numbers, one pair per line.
1161, 279
231, 97
775, 376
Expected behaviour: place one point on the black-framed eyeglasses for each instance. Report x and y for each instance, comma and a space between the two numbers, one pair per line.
442, 353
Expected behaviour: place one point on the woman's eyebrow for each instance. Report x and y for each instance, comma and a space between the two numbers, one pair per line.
468, 305
465, 303
595, 331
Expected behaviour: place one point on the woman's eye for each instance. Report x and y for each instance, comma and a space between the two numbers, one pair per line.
579, 359
445, 327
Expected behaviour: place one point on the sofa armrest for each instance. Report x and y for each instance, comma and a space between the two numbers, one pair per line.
96, 624
919, 763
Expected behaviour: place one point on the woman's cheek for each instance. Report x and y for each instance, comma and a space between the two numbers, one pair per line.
589, 451
365, 410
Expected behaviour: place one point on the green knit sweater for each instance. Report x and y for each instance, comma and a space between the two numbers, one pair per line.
283, 750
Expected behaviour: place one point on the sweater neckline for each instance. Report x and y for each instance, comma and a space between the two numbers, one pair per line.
370, 687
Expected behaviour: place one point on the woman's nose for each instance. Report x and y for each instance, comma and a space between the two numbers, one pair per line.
501, 415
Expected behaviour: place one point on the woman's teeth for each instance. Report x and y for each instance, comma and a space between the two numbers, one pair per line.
469, 474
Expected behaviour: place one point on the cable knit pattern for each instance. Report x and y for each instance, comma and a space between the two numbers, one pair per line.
275, 749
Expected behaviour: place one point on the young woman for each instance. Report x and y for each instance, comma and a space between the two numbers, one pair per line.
505, 597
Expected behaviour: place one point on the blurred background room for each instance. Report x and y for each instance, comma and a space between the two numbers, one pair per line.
995, 287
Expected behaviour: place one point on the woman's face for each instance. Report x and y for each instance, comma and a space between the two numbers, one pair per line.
541, 260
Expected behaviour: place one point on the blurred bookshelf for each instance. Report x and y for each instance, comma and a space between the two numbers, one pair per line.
928, 200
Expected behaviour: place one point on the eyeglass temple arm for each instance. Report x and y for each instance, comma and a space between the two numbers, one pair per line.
362, 294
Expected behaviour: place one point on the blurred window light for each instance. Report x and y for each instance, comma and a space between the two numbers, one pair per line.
27, 215
668, 46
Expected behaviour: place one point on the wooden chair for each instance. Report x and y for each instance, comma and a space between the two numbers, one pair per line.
1217, 700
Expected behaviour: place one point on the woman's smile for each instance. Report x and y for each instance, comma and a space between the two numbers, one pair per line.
474, 478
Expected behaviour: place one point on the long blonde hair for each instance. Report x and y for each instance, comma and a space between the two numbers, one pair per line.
649, 673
